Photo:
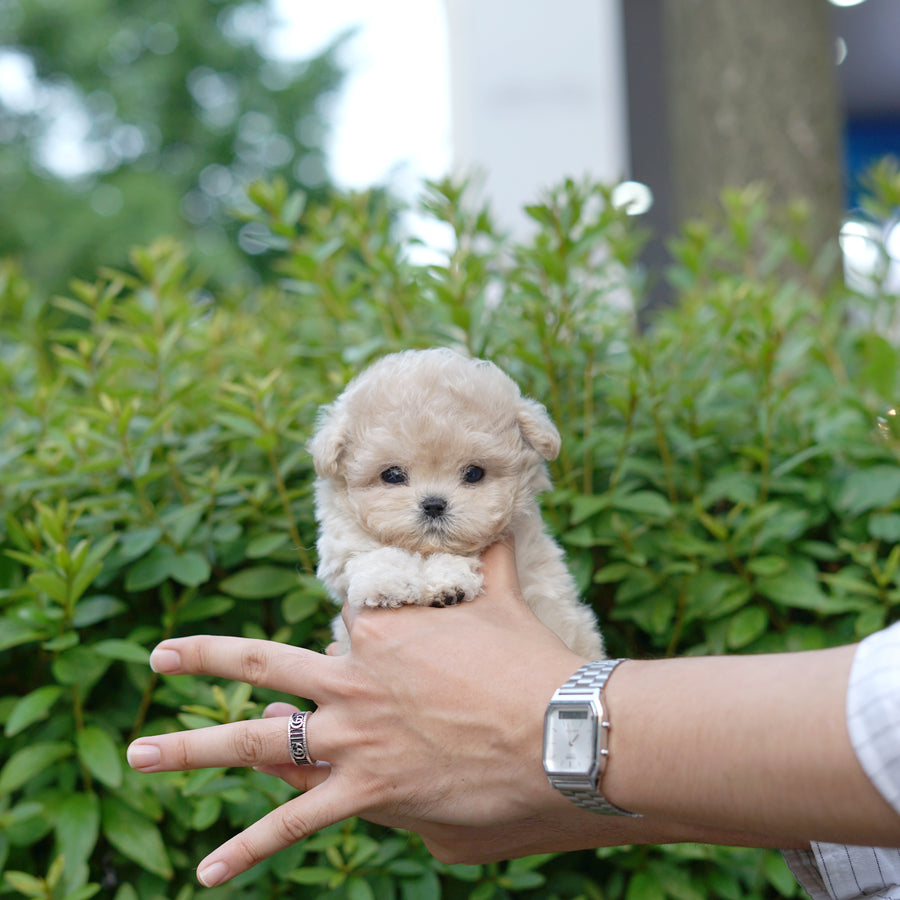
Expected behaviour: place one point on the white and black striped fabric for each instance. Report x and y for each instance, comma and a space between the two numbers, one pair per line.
835, 871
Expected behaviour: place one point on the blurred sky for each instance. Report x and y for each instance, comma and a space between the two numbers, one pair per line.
391, 122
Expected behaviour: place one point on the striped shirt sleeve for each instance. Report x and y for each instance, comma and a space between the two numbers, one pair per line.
873, 711
835, 871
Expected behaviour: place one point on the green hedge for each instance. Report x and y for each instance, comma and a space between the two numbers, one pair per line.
728, 483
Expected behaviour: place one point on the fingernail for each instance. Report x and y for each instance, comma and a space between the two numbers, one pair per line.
162, 661
143, 756
213, 874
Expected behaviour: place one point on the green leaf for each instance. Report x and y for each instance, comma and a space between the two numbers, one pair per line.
299, 605
869, 621
84, 893
867, 489
206, 813
798, 587
880, 370
136, 543
686, 544
13, 633
746, 626
26, 884
644, 886
778, 874
265, 544
767, 566
484, 891
581, 536
100, 756
76, 821
613, 572
312, 875
239, 423
847, 583
465, 872
135, 836
782, 526
17, 814
521, 881
644, 503
359, 889
152, 570
51, 584
32, 708
639, 583
711, 595
91, 610
406, 868
885, 527
55, 872
126, 891
181, 524
84, 579
583, 507
127, 651
32, 560
204, 608
80, 666
190, 568
735, 487
530, 863
426, 887
260, 582
24, 764
61, 642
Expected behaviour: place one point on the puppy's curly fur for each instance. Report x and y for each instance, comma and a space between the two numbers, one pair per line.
423, 461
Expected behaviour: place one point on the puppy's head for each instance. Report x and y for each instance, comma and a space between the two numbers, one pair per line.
431, 451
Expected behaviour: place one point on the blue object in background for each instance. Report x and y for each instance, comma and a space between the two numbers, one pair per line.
867, 140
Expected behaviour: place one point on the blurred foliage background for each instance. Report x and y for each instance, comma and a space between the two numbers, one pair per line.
729, 483
125, 120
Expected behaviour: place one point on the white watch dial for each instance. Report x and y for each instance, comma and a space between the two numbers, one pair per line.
571, 740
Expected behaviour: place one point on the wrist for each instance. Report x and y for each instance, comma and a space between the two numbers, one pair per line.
576, 746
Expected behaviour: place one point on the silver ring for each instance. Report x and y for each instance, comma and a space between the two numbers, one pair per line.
297, 740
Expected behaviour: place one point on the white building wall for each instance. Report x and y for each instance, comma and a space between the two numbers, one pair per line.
538, 94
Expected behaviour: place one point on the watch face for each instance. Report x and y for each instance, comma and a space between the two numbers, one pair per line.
570, 740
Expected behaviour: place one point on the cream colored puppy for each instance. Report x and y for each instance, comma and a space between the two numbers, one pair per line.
423, 461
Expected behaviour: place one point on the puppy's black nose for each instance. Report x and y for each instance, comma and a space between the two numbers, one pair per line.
434, 507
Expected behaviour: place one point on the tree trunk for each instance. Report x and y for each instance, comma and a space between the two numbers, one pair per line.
752, 95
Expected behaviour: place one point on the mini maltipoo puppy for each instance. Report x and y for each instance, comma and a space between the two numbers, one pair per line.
423, 461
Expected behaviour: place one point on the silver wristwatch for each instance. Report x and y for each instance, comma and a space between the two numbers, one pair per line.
576, 738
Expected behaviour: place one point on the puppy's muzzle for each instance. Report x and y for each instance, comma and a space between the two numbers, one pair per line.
434, 507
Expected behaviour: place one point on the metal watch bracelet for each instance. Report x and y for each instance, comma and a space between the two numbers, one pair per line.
589, 679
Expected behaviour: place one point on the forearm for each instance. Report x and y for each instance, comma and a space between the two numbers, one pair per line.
749, 751
756, 744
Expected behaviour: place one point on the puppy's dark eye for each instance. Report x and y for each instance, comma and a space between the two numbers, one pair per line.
471, 474
394, 475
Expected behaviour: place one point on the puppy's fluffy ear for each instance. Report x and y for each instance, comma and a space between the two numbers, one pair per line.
538, 429
329, 442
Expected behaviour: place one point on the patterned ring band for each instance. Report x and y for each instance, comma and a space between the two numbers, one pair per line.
297, 740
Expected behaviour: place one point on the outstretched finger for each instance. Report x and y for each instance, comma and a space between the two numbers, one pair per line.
289, 823
251, 743
280, 667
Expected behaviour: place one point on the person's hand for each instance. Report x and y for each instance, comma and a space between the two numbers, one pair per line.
433, 721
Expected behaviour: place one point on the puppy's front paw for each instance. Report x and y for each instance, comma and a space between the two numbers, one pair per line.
448, 580
385, 577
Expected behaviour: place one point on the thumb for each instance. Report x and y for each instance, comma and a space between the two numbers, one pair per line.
501, 575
